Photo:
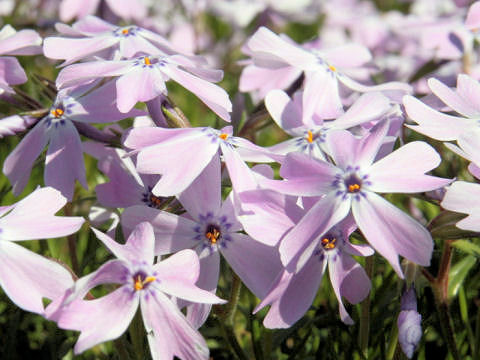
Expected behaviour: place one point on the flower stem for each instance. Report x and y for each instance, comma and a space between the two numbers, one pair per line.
440, 291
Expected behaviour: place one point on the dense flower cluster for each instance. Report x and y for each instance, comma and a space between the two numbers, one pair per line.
185, 197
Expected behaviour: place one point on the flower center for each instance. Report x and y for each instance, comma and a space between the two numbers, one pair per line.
141, 281
58, 112
332, 68
309, 136
213, 233
329, 243
125, 31
353, 184
223, 136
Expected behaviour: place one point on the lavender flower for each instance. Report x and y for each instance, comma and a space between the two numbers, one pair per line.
142, 283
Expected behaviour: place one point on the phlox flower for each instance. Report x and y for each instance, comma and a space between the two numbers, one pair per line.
323, 69
141, 283
308, 129
23, 42
144, 78
292, 293
64, 160
211, 227
168, 152
126, 9
351, 186
93, 36
25, 276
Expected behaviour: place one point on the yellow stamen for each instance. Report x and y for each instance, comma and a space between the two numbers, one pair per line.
332, 68
213, 236
139, 284
309, 136
125, 31
353, 188
57, 112
147, 61
223, 136
329, 243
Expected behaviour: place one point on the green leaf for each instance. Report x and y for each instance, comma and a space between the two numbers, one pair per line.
458, 273
467, 247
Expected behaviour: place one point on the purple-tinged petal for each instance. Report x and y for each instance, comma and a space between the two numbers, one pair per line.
99, 106
268, 215
391, 232
37, 210
368, 107
468, 90
19, 162
15, 124
171, 334
212, 95
91, 25
64, 161
177, 276
388, 86
404, 170
27, 277
79, 73
297, 166
139, 245
23, 42
204, 196
123, 189
11, 72
265, 43
321, 96
256, 264
112, 272
138, 138
292, 294
469, 143
173, 232
198, 313
71, 50
286, 113
451, 98
463, 197
101, 319
175, 161
433, 123
327, 212
349, 280
265, 80
140, 84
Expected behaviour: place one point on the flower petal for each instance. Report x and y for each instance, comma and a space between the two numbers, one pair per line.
391, 232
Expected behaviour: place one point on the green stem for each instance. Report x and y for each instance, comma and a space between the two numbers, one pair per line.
364, 330
392, 345
440, 291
